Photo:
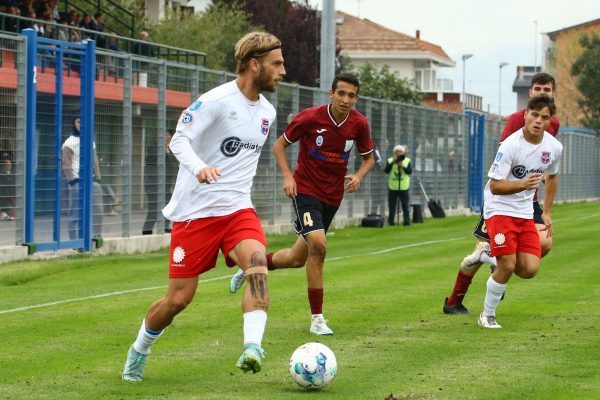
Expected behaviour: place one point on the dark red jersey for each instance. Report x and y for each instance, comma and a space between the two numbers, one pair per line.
325, 149
517, 120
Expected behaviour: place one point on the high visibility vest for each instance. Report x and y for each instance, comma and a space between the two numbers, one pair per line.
398, 181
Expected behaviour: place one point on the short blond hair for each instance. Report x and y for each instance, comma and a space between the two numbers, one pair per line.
399, 147
254, 45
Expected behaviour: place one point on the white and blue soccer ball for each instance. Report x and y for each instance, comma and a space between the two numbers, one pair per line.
313, 366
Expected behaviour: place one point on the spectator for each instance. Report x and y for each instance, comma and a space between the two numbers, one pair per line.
70, 169
98, 25
452, 162
143, 48
52, 6
150, 182
111, 43
50, 29
38, 27
12, 24
399, 169
85, 23
7, 188
62, 32
26, 10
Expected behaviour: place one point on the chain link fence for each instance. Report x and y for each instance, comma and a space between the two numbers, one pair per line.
137, 99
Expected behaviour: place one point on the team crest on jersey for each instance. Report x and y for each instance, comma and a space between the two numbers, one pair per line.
264, 126
546, 157
195, 105
186, 118
499, 156
319, 141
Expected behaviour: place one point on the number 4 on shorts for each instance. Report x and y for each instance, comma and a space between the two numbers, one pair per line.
307, 219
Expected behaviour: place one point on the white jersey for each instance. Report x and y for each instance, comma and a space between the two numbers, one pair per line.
72, 157
221, 129
515, 160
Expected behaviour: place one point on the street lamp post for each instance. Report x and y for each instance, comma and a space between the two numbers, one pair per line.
502, 65
465, 57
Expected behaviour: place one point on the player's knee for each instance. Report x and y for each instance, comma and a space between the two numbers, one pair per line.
259, 259
526, 273
178, 302
546, 246
318, 250
527, 268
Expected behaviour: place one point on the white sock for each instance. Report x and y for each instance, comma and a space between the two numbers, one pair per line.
254, 327
493, 295
145, 339
484, 258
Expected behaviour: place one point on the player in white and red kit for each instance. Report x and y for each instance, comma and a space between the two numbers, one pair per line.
218, 143
327, 134
541, 84
516, 173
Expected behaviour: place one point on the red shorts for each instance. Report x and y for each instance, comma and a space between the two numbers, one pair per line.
195, 244
509, 235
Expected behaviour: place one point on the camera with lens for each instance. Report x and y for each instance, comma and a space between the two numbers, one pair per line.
400, 158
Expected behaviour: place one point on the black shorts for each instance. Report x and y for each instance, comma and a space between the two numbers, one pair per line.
312, 214
480, 231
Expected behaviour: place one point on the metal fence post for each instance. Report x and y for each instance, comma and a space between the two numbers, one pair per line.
30, 139
127, 147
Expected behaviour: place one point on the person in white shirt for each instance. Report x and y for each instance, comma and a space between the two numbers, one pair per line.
218, 142
70, 170
520, 163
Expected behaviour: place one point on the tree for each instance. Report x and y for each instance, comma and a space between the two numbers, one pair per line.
297, 25
385, 84
214, 31
586, 70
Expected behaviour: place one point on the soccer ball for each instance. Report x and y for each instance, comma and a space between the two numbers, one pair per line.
313, 366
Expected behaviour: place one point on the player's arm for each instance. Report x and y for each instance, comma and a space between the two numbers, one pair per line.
366, 148
367, 164
551, 186
504, 187
191, 126
289, 184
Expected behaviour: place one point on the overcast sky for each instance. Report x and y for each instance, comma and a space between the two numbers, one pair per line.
493, 31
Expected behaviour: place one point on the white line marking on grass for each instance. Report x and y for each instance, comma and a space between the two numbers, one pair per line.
406, 246
99, 296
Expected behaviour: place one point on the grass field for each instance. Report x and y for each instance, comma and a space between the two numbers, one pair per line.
384, 290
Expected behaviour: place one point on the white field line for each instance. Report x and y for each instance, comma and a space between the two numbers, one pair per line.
99, 296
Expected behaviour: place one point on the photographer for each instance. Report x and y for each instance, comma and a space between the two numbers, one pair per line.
399, 169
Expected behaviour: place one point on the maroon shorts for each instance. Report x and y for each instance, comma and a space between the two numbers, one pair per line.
509, 235
195, 244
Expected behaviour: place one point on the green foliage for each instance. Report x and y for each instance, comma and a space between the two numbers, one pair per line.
586, 70
215, 31
384, 290
296, 24
385, 84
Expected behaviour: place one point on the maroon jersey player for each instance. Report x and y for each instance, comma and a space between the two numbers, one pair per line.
326, 135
